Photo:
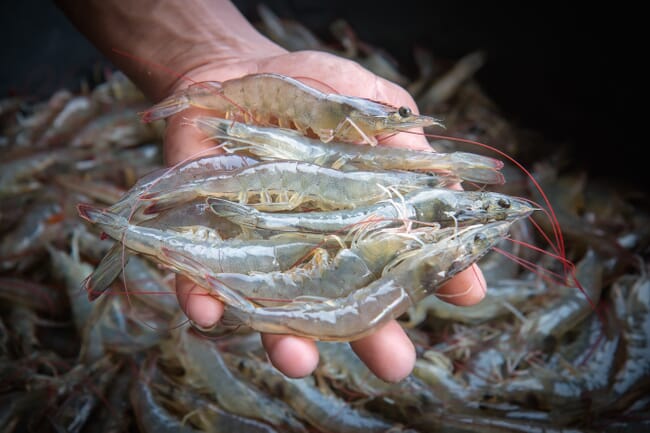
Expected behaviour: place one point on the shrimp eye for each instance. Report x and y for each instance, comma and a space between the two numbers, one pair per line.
504, 203
480, 237
404, 111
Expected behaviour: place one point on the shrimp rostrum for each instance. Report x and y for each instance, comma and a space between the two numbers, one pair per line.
261, 98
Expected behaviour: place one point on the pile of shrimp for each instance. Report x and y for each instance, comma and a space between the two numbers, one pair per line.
311, 228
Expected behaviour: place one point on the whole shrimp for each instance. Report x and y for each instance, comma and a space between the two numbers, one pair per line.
285, 185
442, 206
265, 97
281, 143
352, 268
220, 256
364, 310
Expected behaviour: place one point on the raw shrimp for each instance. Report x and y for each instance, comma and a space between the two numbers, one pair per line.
293, 183
364, 310
281, 143
204, 364
350, 269
341, 364
164, 178
220, 256
151, 415
445, 207
325, 411
266, 97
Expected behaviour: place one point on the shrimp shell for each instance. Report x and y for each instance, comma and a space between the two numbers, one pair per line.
281, 143
293, 183
428, 205
264, 97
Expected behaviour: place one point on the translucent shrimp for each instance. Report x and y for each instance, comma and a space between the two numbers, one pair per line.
351, 268
281, 143
429, 205
266, 97
360, 313
164, 178
220, 256
325, 411
204, 364
285, 185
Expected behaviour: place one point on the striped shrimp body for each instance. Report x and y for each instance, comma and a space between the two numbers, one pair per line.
285, 185
173, 248
281, 143
354, 316
265, 97
445, 207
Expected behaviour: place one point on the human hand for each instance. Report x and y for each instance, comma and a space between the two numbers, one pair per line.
389, 352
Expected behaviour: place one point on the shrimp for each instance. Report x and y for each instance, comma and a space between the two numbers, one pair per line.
170, 177
264, 97
340, 363
324, 411
220, 256
204, 363
293, 183
428, 205
350, 269
281, 143
364, 310
500, 297
150, 415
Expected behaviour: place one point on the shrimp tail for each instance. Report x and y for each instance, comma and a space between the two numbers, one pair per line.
481, 175
244, 216
112, 223
165, 108
181, 100
107, 271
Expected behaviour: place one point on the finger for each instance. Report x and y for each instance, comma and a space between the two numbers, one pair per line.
388, 353
466, 288
197, 304
293, 356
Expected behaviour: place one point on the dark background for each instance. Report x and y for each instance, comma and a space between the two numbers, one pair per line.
571, 74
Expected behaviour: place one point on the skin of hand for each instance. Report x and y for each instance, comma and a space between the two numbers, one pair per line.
211, 41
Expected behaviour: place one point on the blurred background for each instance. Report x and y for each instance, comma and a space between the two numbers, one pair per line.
568, 74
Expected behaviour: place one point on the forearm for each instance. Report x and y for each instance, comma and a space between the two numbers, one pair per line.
181, 35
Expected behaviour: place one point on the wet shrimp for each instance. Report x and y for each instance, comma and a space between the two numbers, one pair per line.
165, 178
351, 268
169, 246
364, 310
266, 97
285, 185
204, 364
325, 411
445, 207
281, 143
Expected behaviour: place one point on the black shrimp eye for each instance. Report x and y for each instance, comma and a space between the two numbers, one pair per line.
504, 203
479, 237
404, 111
